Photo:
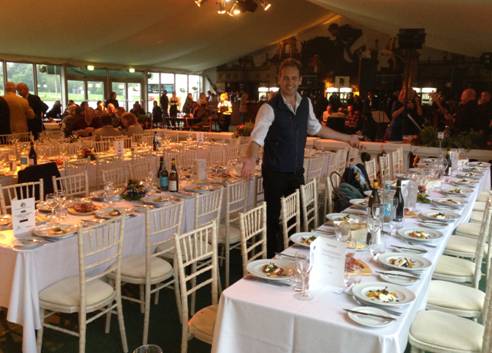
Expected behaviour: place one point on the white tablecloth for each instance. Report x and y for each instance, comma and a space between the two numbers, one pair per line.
25, 273
258, 317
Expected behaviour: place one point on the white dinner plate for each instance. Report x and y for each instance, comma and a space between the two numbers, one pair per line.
256, 268
44, 206
158, 200
300, 238
428, 235
55, 231
361, 203
462, 192
74, 212
110, 212
28, 243
479, 164
398, 277
370, 321
5, 220
440, 216
448, 202
419, 263
462, 181
362, 291
469, 175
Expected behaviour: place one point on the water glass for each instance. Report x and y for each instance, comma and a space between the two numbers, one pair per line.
302, 269
148, 348
375, 242
108, 191
342, 232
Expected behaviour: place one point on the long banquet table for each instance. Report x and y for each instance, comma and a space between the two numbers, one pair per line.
258, 317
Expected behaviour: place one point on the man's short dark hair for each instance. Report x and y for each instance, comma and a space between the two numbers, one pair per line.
290, 62
106, 120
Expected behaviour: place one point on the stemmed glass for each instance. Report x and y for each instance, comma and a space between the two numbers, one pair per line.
52, 203
61, 201
149, 182
108, 191
342, 232
303, 268
148, 348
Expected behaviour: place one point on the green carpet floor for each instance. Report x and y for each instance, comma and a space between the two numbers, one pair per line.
165, 328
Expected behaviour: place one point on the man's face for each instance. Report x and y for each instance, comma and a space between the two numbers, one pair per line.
484, 98
289, 80
22, 91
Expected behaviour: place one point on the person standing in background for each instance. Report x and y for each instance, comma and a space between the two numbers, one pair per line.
164, 100
243, 106
20, 111
4, 117
112, 100
37, 105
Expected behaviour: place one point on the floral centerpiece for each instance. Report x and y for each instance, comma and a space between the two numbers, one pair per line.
134, 191
467, 140
244, 129
86, 152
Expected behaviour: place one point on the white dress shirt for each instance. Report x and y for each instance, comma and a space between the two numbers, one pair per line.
266, 116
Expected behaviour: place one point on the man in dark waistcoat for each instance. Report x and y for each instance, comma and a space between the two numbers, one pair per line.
281, 128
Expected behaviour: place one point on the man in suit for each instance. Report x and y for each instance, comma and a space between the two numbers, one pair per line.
20, 111
4, 117
37, 105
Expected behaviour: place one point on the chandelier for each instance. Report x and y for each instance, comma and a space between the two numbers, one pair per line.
237, 7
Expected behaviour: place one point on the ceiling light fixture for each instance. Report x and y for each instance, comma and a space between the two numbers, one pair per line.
236, 7
90, 67
131, 70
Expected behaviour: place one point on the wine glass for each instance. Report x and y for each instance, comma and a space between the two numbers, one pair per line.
52, 203
108, 191
148, 348
61, 201
375, 242
303, 268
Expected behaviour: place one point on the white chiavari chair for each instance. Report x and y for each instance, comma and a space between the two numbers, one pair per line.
332, 182
371, 170
141, 168
99, 250
101, 146
341, 160
150, 271
259, 192
118, 176
72, 185
440, 332
385, 167
207, 207
290, 216
229, 237
16, 137
315, 168
309, 205
186, 158
193, 249
216, 156
252, 224
32, 189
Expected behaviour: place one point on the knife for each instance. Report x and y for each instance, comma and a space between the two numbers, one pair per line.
398, 274
262, 280
370, 314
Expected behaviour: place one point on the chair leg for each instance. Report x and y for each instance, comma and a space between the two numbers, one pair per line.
82, 330
147, 314
227, 263
193, 295
121, 322
39, 338
178, 296
142, 294
184, 337
156, 299
108, 320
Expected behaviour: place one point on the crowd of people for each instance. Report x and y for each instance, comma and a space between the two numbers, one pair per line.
400, 115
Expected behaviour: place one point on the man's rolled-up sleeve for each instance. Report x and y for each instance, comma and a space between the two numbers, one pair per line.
263, 121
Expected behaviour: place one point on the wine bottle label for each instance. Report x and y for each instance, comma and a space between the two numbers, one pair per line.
164, 182
173, 185
31, 161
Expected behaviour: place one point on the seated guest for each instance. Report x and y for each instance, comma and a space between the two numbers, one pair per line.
4, 117
100, 108
70, 117
107, 128
188, 104
326, 114
55, 111
137, 109
352, 121
86, 122
130, 124
157, 114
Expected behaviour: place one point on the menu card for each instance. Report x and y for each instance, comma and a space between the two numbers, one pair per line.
23, 215
327, 258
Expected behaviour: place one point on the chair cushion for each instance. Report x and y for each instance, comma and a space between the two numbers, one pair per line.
455, 296
468, 229
453, 266
203, 322
479, 206
461, 244
133, 268
476, 216
66, 293
447, 331
234, 234
483, 196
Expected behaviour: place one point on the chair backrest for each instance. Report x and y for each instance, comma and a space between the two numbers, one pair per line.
332, 182
315, 167
484, 237
259, 192
216, 155
186, 158
487, 316
371, 170
385, 167
341, 160
253, 235
37, 172
309, 204
162, 224
197, 249
232, 152
102, 146
32, 189
236, 196
100, 249
141, 168
14, 138
118, 176
207, 207
72, 185
290, 215
397, 163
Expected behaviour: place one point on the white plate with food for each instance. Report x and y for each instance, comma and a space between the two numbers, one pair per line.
448, 202
469, 175
360, 203
28, 243
5, 220
45, 206
463, 181
456, 191
369, 320
479, 164
110, 212
304, 238
158, 200
419, 234
57, 231
383, 294
404, 261
272, 269
398, 277
85, 208
440, 216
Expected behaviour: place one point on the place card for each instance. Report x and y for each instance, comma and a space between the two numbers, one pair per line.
327, 258
23, 216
